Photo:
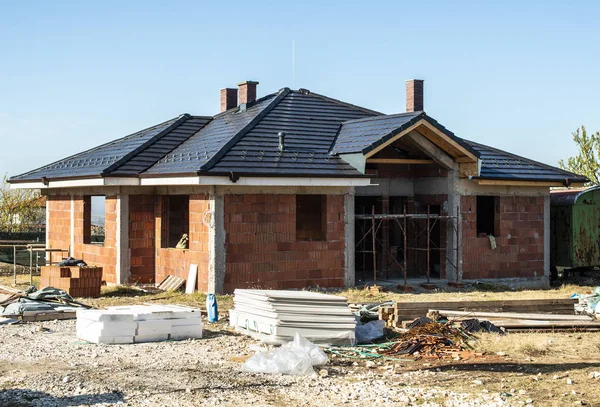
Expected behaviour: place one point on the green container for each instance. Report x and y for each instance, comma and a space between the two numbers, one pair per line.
575, 227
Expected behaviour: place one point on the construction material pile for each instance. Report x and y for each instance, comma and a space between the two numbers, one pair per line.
76, 281
46, 304
274, 317
139, 323
426, 340
510, 314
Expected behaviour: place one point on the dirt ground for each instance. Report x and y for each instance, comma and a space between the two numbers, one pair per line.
44, 364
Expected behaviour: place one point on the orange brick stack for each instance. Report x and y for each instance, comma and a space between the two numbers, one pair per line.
76, 281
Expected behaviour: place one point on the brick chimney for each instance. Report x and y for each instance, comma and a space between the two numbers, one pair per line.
414, 95
229, 98
247, 92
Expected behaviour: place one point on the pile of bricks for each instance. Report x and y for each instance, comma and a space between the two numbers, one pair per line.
76, 281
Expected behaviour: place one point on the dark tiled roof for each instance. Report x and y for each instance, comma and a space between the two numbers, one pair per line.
143, 158
199, 149
245, 141
364, 134
95, 161
498, 164
310, 122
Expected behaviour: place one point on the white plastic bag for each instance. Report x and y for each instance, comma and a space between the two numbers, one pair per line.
370, 331
316, 354
282, 360
295, 358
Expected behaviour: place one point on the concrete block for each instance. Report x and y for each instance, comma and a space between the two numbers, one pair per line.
153, 327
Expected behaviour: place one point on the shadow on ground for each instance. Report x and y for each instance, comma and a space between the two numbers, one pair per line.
31, 398
516, 367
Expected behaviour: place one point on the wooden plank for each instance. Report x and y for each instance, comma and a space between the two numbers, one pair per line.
190, 286
10, 289
526, 183
513, 315
493, 303
47, 316
398, 161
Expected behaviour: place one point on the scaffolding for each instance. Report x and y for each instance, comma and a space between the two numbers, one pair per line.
372, 223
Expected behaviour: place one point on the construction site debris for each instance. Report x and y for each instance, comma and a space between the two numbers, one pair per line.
49, 303
475, 325
171, 283
275, 316
139, 323
369, 332
588, 304
430, 340
295, 358
70, 261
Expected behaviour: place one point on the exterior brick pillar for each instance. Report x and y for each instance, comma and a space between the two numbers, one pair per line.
122, 269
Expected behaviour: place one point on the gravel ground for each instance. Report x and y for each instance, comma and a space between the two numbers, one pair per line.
46, 365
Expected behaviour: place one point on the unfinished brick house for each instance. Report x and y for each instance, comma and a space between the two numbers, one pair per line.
281, 192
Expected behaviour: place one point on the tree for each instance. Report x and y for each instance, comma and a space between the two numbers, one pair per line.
587, 161
20, 209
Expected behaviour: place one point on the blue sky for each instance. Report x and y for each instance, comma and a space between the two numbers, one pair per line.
520, 76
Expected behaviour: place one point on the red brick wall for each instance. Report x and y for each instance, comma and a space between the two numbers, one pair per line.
59, 231
96, 255
58, 224
520, 256
177, 261
261, 246
141, 238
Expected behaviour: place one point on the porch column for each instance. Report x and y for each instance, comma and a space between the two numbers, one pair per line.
453, 264
123, 270
546, 241
216, 243
349, 238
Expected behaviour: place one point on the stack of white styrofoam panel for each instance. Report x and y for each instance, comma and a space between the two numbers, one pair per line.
275, 316
147, 323
105, 327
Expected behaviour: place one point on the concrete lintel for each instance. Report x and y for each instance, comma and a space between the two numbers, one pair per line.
349, 239
388, 187
437, 154
468, 187
123, 270
216, 242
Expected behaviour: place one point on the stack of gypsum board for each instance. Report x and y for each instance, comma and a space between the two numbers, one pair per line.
275, 316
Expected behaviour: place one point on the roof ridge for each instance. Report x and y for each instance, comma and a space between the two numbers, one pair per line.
548, 166
91, 149
386, 116
249, 126
339, 102
248, 105
178, 122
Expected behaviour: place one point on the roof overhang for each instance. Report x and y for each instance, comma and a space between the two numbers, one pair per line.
528, 183
435, 143
193, 180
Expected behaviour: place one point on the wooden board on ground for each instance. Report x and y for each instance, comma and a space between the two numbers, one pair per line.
191, 280
33, 316
513, 315
171, 283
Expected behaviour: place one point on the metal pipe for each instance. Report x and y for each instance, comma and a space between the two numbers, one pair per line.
428, 235
15, 263
30, 267
457, 237
405, 244
374, 247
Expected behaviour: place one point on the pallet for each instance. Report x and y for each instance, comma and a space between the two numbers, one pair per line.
171, 283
